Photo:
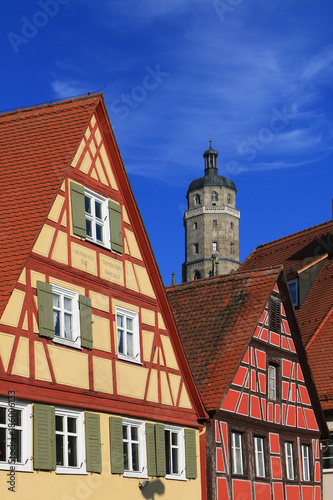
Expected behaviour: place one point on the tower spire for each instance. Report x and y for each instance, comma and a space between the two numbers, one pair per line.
210, 156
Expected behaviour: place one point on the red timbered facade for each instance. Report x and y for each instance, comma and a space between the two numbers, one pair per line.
263, 437
96, 393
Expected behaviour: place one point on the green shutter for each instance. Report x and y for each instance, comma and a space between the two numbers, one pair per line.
45, 309
116, 445
85, 322
151, 449
115, 227
190, 454
160, 450
93, 442
44, 437
78, 210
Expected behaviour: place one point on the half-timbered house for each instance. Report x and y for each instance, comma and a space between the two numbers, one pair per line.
247, 358
96, 397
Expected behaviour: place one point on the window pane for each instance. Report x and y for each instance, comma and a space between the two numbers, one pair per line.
328, 455
2, 415
18, 418
125, 450
99, 233
3, 444
56, 321
130, 351
71, 425
67, 304
16, 445
56, 300
120, 321
98, 210
167, 451
72, 451
134, 433
89, 228
68, 326
129, 324
125, 432
120, 342
135, 457
60, 449
87, 204
174, 438
59, 423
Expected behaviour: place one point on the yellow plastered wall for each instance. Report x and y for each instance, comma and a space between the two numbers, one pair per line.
102, 486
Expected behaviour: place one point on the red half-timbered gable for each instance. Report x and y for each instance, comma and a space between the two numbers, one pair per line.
263, 441
88, 346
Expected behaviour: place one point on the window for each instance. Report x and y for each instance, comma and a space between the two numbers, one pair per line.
272, 382
66, 316
237, 453
196, 248
214, 196
231, 225
259, 456
289, 451
174, 452
134, 448
15, 435
195, 225
70, 450
128, 335
293, 288
306, 462
197, 199
214, 246
231, 248
197, 275
229, 199
95, 218
97, 221
328, 455
214, 223
275, 315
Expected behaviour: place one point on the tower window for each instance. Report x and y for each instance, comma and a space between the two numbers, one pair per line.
196, 248
195, 225
214, 246
231, 225
231, 248
229, 199
197, 200
197, 275
214, 223
214, 196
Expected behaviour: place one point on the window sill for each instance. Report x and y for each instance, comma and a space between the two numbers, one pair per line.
121, 357
327, 471
16, 467
140, 475
98, 243
73, 471
174, 477
67, 343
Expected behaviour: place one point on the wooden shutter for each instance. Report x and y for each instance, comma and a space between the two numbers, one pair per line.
190, 454
85, 322
115, 227
275, 315
160, 450
116, 445
45, 309
78, 210
44, 437
93, 442
151, 449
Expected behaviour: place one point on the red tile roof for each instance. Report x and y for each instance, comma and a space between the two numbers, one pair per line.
36, 148
215, 319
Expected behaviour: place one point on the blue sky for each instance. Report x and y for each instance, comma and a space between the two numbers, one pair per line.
253, 75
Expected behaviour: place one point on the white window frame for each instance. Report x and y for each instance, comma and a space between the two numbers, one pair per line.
259, 452
237, 454
294, 282
289, 452
272, 374
73, 296
25, 428
103, 222
125, 313
81, 452
306, 465
329, 455
179, 432
143, 469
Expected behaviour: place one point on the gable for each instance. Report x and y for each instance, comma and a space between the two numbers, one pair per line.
250, 394
113, 279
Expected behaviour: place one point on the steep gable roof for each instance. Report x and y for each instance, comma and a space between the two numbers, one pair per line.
37, 145
216, 318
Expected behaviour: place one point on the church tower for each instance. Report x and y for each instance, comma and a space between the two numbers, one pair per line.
211, 224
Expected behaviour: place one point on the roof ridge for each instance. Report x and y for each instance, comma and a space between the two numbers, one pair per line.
49, 104
292, 234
